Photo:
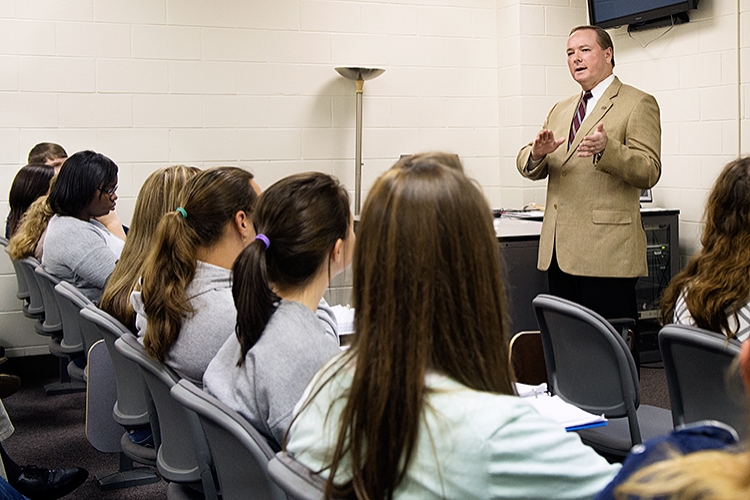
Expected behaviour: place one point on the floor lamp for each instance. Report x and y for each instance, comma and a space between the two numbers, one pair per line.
359, 75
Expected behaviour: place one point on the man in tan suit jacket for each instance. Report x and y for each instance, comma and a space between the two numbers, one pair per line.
593, 243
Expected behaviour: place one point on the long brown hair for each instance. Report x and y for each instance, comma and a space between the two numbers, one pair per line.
302, 216
428, 296
157, 196
718, 278
209, 201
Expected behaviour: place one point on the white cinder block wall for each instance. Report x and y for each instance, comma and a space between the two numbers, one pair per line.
251, 83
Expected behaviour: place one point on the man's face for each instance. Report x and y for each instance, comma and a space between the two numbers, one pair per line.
588, 63
55, 163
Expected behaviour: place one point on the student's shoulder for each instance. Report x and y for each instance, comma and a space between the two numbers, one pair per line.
70, 229
484, 412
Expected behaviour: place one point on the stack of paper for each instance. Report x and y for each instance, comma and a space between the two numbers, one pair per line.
554, 408
345, 318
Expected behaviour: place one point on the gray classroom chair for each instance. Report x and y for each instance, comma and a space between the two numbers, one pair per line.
131, 407
49, 324
71, 301
36, 303
241, 454
299, 482
22, 292
590, 366
183, 457
71, 343
702, 386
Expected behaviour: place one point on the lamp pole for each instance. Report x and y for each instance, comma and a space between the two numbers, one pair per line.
359, 75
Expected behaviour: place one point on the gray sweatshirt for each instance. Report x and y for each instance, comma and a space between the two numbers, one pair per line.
76, 251
205, 331
294, 344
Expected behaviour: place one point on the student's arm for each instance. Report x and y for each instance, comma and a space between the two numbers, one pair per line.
113, 224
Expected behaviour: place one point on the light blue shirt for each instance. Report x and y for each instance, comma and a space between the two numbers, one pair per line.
471, 444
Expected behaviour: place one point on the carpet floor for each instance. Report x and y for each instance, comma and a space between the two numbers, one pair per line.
50, 432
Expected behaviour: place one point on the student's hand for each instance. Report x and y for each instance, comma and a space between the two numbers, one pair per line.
544, 144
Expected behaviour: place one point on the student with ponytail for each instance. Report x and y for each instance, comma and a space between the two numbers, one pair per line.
304, 238
184, 308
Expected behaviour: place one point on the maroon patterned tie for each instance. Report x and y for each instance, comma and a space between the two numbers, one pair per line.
579, 116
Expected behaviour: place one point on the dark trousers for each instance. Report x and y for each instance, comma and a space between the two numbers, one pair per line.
610, 297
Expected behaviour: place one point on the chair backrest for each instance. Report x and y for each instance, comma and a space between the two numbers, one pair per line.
3, 241
241, 454
299, 482
588, 363
701, 386
183, 455
133, 399
23, 288
36, 303
526, 355
71, 301
52, 317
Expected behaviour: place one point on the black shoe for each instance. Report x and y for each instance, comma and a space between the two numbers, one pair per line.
9, 384
49, 484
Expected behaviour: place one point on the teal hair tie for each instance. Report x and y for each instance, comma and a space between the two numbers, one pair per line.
182, 212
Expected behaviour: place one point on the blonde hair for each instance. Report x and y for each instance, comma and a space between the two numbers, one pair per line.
33, 223
157, 196
704, 475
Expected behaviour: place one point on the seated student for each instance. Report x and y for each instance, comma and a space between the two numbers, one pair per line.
423, 404
702, 461
77, 248
713, 291
305, 238
185, 309
49, 154
31, 182
157, 196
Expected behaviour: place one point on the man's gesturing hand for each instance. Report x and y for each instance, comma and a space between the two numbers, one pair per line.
594, 143
544, 144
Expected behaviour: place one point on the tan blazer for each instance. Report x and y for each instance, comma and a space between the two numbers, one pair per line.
592, 217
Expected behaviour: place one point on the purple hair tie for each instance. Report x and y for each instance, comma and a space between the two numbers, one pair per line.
262, 237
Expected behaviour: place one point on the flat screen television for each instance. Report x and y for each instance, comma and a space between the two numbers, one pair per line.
611, 13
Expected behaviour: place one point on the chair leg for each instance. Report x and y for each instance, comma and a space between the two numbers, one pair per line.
65, 385
127, 477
